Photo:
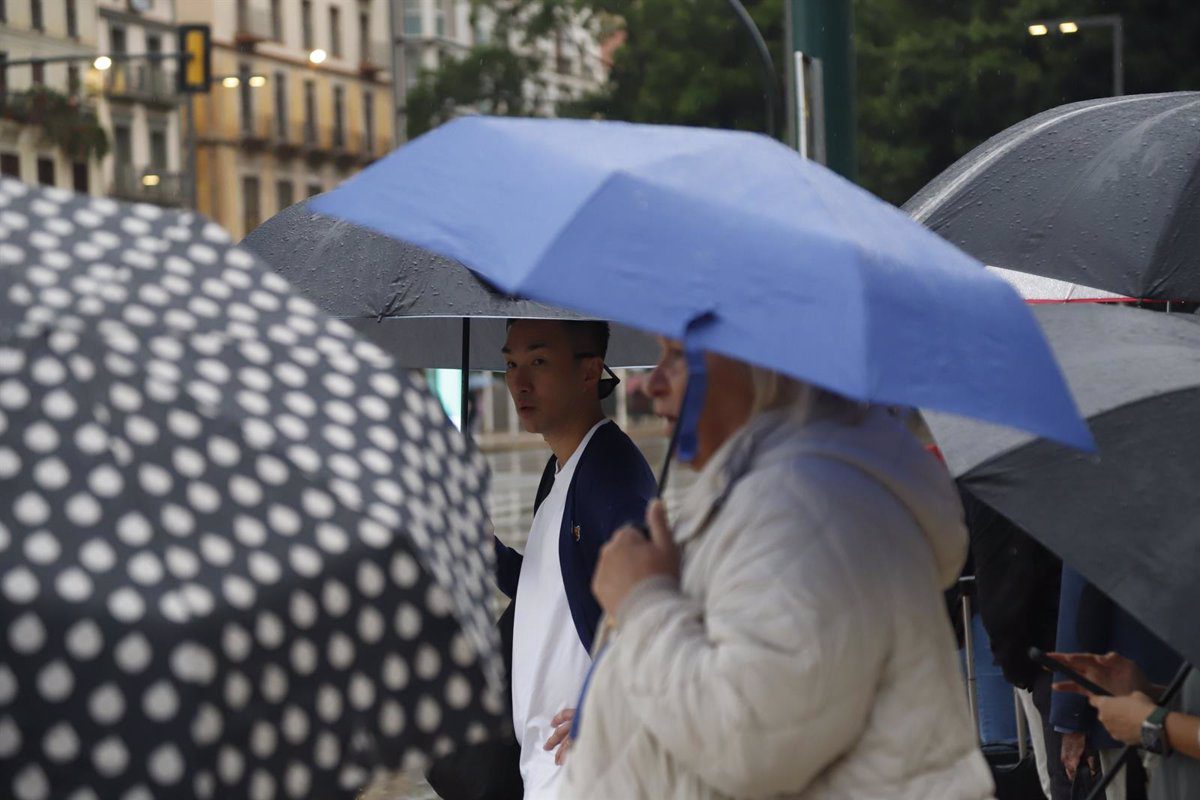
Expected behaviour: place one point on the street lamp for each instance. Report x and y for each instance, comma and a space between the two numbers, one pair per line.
234, 81
1072, 25
318, 56
103, 63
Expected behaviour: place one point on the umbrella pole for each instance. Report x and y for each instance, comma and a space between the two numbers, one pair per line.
1129, 752
465, 393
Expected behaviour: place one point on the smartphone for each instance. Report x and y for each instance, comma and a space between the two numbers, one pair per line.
1054, 665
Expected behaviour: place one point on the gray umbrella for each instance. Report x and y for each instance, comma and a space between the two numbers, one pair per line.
1125, 517
421, 308
1103, 193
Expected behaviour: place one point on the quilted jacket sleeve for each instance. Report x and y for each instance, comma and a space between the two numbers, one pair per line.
769, 678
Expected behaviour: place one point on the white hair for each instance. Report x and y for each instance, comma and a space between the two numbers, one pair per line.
804, 401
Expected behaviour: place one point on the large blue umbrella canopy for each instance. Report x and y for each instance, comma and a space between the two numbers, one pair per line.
730, 241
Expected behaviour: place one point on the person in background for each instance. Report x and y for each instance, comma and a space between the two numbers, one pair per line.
1089, 622
595, 481
787, 637
1171, 733
1017, 584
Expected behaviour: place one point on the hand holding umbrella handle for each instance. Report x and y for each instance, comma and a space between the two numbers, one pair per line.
1167, 696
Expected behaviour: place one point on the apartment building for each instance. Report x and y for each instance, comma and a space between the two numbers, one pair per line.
426, 32
301, 100
46, 29
138, 103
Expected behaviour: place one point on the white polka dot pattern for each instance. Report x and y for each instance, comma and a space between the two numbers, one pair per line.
213, 500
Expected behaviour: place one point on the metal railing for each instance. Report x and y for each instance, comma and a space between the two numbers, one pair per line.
142, 82
148, 186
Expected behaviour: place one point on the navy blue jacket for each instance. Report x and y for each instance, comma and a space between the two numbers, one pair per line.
1089, 622
611, 486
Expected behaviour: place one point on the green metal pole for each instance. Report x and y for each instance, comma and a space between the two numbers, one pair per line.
824, 30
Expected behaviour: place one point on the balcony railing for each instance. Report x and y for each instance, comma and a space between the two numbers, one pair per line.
148, 186
141, 83
258, 131
253, 25
377, 57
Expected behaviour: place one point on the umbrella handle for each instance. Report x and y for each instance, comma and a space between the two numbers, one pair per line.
1167, 696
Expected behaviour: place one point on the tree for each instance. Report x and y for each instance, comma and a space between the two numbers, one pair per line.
687, 62
490, 79
934, 79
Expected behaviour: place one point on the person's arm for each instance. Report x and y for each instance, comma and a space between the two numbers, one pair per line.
1183, 733
1123, 716
508, 568
766, 681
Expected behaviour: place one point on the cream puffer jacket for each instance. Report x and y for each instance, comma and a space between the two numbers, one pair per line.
806, 651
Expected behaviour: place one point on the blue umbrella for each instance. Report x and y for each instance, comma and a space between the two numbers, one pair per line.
729, 241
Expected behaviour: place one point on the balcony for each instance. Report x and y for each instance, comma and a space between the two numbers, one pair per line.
375, 58
253, 26
140, 83
148, 186
257, 131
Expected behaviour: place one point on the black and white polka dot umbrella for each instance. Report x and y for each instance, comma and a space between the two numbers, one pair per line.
241, 556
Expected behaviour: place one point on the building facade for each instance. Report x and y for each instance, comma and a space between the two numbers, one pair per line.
47, 29
301, 100
426, 32
138, 103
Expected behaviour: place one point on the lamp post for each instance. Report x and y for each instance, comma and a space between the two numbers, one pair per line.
1071, 25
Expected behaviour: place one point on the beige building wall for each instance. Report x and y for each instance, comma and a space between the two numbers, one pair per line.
24, 150
308, 126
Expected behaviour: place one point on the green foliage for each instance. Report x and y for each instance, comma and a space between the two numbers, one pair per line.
70, 124
687, 62
934, 78
490, 79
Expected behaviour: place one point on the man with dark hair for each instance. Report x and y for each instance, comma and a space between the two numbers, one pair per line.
595, 482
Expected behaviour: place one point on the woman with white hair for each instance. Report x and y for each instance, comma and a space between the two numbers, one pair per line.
787, 637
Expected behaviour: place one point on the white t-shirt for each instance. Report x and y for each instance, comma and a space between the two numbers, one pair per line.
549, 662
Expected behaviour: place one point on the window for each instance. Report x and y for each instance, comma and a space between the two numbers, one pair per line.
10, 165
277, 20
72, 19
306, 21
154, 68
246, 99
3, 71
79, 177
285, 193
45, 171
250, 204
369, 121
365, 55
310, 112
335, 32
412, 18
116, 40
243, 16
73, 82
439, 17
158, 148
314, 189
39, 73
36, 20
3, 10
281, 109
122, 145
339, 126
412, 67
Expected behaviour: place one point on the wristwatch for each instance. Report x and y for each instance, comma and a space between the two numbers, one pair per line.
1154, 735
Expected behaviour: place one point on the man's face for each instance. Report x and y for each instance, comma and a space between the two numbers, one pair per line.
549, 384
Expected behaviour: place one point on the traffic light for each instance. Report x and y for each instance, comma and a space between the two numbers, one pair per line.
195, 67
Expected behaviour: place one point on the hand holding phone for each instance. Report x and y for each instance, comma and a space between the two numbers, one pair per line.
1054, 665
